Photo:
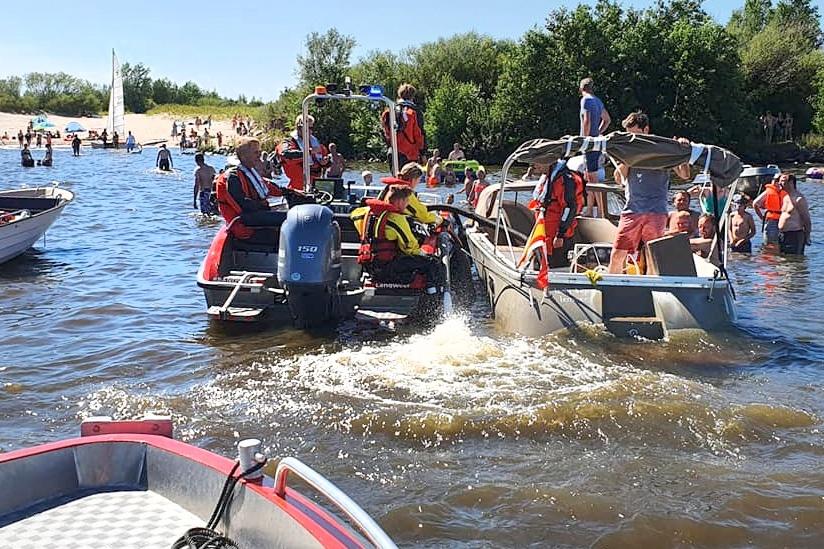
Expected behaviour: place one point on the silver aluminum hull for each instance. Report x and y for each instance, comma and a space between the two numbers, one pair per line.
19, 236
625, 305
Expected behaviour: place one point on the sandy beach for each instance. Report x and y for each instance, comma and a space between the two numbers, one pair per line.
144, 127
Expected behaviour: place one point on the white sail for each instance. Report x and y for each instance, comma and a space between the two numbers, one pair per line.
117, 119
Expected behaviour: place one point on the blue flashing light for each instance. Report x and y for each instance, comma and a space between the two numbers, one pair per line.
375, 91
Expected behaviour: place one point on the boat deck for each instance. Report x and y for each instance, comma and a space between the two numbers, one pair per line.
121, 519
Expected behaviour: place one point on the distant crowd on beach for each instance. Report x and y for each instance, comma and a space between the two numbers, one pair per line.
777, 128
195, 138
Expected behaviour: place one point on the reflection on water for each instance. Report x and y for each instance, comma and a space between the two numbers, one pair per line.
459, 436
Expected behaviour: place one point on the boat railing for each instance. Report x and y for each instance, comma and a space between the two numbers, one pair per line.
373, 94
334, 495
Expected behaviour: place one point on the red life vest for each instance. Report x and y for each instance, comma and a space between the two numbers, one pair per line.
375, 248
773, 201
228, 207
293, 167
562, 203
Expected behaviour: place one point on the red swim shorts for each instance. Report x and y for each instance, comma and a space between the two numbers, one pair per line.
640, 227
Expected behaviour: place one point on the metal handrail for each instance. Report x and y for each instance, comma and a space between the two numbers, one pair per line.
307, 146
334, 495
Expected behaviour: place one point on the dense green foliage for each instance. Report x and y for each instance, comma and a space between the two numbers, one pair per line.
60, 93
692, 75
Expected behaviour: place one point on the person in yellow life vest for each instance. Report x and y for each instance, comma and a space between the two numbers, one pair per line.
389, 249
409, 176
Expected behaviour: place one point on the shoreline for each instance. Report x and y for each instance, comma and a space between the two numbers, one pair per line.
144, 127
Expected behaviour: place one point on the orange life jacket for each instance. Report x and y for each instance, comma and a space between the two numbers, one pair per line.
293, 167
562, 203
773, 201
228, 206
375, 247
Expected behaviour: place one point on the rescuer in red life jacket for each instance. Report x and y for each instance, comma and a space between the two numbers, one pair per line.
768, 207
290, 155
389, 249
560, 193
409, 127
242, 192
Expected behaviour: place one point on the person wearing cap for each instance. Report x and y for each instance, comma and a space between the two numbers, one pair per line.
366, 175
644, 217
290, 154
409, 176
742, 226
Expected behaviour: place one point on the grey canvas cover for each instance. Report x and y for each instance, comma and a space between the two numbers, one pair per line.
637, 150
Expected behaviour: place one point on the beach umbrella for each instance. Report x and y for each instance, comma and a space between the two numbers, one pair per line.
39, 119
74, 127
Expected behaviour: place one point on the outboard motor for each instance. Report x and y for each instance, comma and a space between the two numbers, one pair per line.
309, 263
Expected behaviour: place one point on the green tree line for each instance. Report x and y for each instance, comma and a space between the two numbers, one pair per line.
61, 93
694, 76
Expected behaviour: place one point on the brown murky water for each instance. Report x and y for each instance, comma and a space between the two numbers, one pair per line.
460, 437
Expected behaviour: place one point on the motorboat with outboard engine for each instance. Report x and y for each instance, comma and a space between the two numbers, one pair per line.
130, 484
678, 290
307, 272
753, 178
26, 215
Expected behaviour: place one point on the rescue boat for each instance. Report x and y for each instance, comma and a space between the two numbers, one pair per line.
129, 484
677, 290
26, 215
307, 273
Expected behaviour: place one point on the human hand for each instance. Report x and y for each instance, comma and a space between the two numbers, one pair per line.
557, 242
682, 140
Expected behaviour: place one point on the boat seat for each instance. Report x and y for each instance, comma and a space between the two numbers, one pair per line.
518, 216
15, 203
263, 241
670, 255
591, 230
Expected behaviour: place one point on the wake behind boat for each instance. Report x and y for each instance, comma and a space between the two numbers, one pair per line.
26, 215
679, 289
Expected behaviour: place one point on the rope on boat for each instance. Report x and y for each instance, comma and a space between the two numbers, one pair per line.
208, 537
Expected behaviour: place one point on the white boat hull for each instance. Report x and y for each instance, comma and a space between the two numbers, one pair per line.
627, 305
19, 236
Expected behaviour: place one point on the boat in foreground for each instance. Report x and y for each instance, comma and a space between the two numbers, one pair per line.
26, 215
130, 485
678, 290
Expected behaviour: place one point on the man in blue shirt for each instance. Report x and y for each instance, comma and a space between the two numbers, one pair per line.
594, 121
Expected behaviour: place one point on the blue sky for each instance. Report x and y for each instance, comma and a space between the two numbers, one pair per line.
243, 46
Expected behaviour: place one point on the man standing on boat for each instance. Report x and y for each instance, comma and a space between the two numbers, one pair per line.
164, 159
644, 217
408, 127
290, 155
595, 120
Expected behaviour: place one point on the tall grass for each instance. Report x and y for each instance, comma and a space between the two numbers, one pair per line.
216, 112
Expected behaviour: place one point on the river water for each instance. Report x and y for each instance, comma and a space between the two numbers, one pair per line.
460, 437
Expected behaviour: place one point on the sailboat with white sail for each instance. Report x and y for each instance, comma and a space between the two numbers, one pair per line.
116, 123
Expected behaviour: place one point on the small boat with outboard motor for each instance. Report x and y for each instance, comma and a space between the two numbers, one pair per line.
129, 484
677, 290
307, 271
25, 216
752, 179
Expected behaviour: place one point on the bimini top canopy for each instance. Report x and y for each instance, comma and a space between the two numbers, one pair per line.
636, 150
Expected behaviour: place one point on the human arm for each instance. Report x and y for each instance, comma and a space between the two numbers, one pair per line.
621, 173
750, 226
398, 229
157, 160
194, 197
758, 203
806, 221
419, 212
585, 122
606, 119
